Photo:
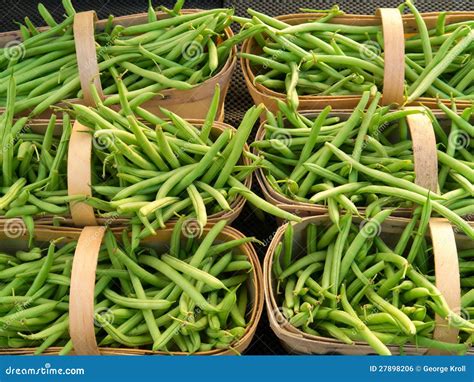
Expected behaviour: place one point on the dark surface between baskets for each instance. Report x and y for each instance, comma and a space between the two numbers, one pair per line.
238, 100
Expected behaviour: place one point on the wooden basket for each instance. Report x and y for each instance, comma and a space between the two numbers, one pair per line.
193, 103
79, 180
444, 242
425, 166
83, 282
395, 28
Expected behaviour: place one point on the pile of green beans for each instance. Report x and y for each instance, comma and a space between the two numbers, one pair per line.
33, 166
152, 174
352, 283
189, 296
319, 57
367, 160
144, 168
179, 52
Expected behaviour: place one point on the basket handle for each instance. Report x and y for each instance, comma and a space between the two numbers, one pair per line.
394, 55
81, 298
79, 174
425, 155
447, 278
84, 40
442, 235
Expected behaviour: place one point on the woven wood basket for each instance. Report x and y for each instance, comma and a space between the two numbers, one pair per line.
193, 103
425, 165
445, 244
83, 282
395, 27
79, 180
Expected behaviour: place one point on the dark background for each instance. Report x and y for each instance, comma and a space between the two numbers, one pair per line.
238, 100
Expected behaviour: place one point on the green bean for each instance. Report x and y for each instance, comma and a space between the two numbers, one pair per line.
43, 273
198, 204
440, 54
289, 296
204, 164
371, 339
139, 271
58, 327
460, 122
35, 311
12, 192
423, 31
338, 250
323, 172
157, 77
388, 179
219, 266
422, 227
441, 66
22, 211
179, 280
216, 194
136, 303
47, 207
193, 272
32, 255
226, 305
303, 262
166, 149
229, 245
359, 240
318, 26
261, 203
419, 199
237, 143
346, 188
405, 323
303, 277
440, 302
467, 299
144, 184
211, 115
238, 265
147, 209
